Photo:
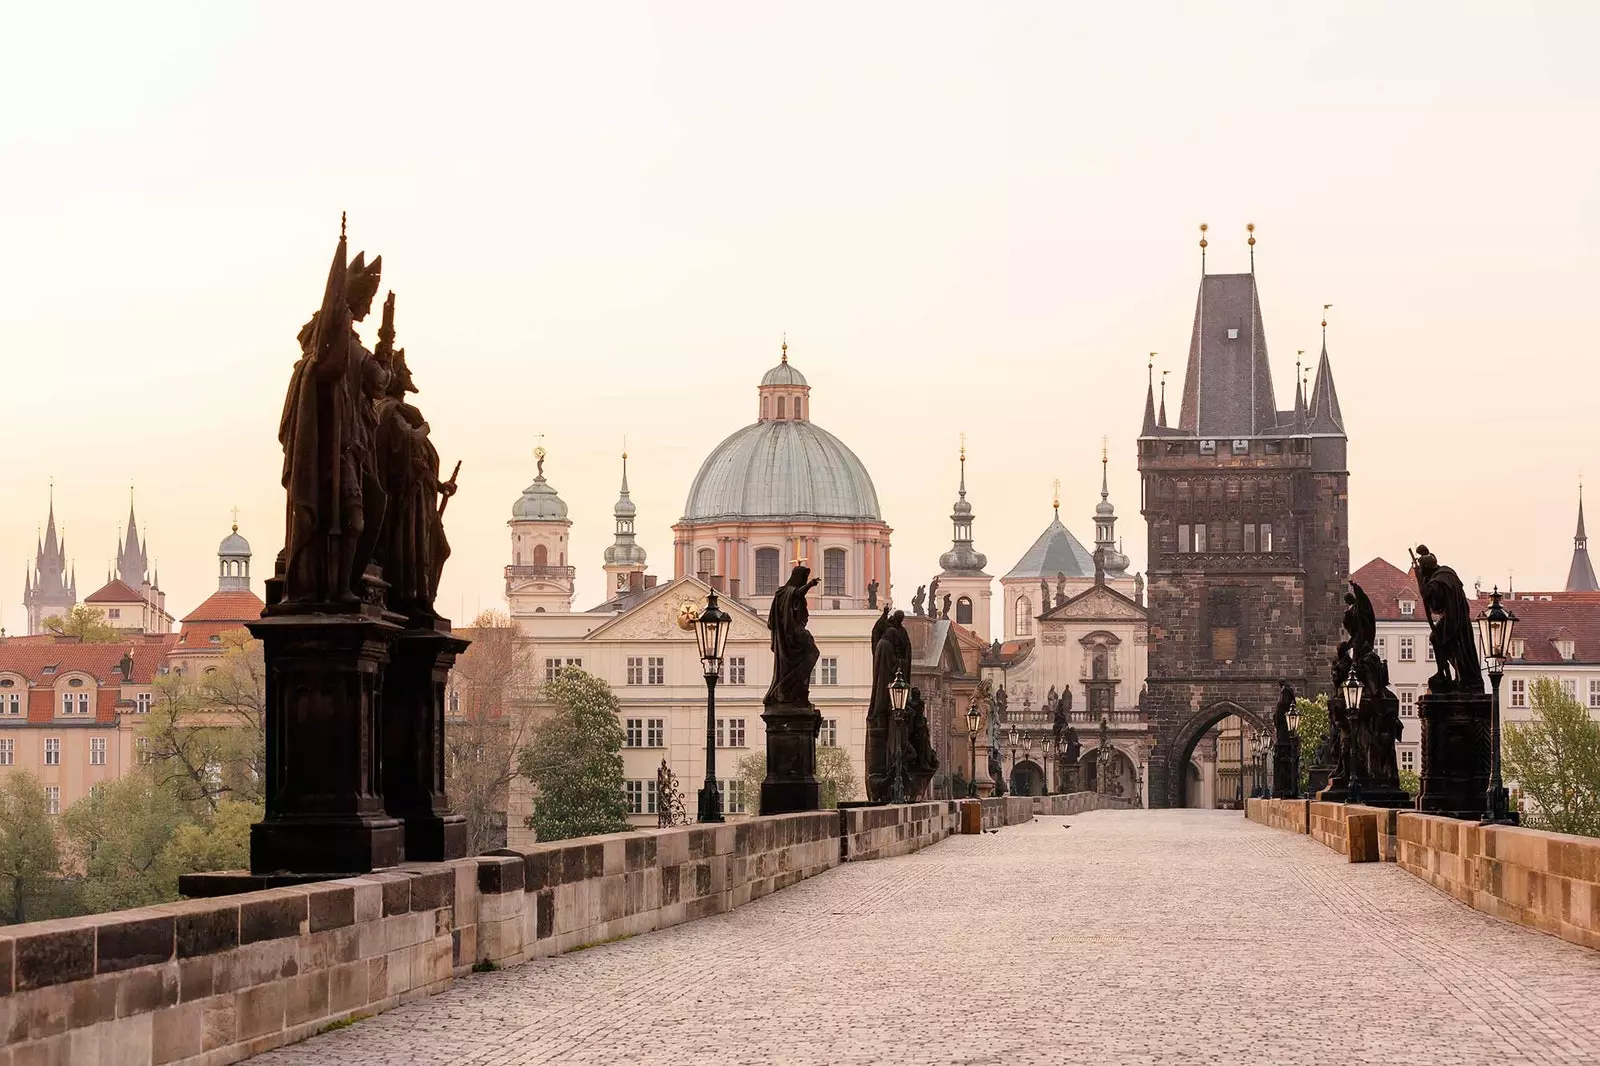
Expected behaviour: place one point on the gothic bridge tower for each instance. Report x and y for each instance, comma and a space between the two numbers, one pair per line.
1246, 508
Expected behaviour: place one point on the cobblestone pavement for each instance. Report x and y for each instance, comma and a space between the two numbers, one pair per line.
1138, 937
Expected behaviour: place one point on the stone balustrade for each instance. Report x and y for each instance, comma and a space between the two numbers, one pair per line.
1547, 881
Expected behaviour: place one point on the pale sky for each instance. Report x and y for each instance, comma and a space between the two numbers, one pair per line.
601, 218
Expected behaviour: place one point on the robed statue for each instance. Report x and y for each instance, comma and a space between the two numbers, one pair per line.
1058, 723
412, 547
872, 594
945, 611
1450, 620
1280, 716
794, 649
921, 761
891, 658
933, 598
335, 499
916, 601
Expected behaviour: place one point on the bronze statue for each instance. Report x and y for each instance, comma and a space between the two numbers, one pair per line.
412, 547
916, 601
1058, 724
1280, 714
1061, 588
335, 500
794, 649
872, 594
1044, 594
1450, 619
891, 657
921, 761
933, 598
1066, 699
1001, 700
1073, 750
945, 613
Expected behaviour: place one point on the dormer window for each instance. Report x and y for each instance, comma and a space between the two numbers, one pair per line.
49, 670
1208, 447
1241, 447
1566, 648
1518, 647
1407, 608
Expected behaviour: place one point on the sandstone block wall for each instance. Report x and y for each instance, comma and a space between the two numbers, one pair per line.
1291, 814
882, 832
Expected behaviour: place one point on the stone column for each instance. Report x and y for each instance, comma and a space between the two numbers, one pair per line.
324, 789
791, 782
414, 687
1455, 753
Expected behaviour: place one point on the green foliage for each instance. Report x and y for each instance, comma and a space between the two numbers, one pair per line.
834, 773
345, 1023
1313, 728
205, 738
117, 837
1411, 783
86, 623
30, 859
223, 843
485, 966
1555, 759
574, 759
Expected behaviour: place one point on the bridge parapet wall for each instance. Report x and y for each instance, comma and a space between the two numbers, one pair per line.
883, 832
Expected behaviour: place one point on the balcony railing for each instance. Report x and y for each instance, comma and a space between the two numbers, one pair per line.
541, 573
1123, 717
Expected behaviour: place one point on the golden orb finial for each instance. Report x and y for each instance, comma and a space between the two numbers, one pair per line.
1250, 228
1203, 228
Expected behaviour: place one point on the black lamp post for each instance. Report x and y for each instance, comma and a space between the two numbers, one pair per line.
973, 721
1352, 707
1494, 634
1291, 788
711, 632
898, 691
1012, 735
1044, 752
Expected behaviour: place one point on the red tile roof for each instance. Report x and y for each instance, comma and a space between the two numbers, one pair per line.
97, 660
1386, 585
233, 605
114, 591
1542, 623
200, 634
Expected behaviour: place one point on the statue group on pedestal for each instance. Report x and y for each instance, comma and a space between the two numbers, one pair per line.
792, 722
1365, 769
900, 757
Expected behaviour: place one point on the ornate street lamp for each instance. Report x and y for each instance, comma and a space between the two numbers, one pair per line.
711, 632
1291, 788
1011, 734
1494, 637
898, 691
1351, 690
974, 719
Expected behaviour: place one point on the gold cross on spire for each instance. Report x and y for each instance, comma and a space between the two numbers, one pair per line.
236, 519
1056, 501
963, 446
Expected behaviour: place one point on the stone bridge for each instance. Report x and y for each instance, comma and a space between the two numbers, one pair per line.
1105, 936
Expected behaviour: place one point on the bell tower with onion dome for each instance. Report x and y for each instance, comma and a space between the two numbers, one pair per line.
539, 579
779, 490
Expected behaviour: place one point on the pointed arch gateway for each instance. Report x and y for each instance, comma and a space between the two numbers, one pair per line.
1187, 736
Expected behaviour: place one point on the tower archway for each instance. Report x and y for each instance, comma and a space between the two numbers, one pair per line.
1188, 734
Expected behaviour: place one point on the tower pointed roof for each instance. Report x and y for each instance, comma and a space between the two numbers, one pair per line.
133, 561
962, 557
1227, 386
1150, 423
1325, 416
1580, 578
625, 550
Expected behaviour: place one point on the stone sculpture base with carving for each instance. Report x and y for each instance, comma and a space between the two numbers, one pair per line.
413, 709
325, 810
1455, 753
791, 783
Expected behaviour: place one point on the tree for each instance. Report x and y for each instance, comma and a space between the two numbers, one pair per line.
835, 774
205, 739
117, 837
86, 623
574, 759
30, 860
1555, 759
1313, 728
221, 844
1411, 783
487, 722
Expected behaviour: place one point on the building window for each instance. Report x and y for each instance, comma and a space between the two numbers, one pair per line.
732, 793
97, 751
781, 408
730, 732
1184, 542
1200, 537
541, 555
964, 611
52, 799
1408, 650
656, 670
1519, 692
1024, 616
735, 668
1408, 759
8, 751
552, 667
833, 572
1266, 536
10, 703
1408, 703
1594, 692
113, 613
635, 669
1427, 650
66, 703
655, 732
142, 703
766, 571
1567, 648
829, 737
52, 751
1407, 608
641, 796
1249, 536
1569, 688
708, 562
827, 671
1223, 621
1382, 647
633, 733
142, 750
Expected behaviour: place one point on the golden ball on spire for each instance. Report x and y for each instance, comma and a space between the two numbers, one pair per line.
1250, 228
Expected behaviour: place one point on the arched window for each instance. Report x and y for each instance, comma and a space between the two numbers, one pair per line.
833, 572
780, 407
541, 555
1101, 667
1024, 616
708, 562
766, 408
766, 571
964, 611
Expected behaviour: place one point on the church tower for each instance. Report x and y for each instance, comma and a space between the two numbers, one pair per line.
1246, 508
48, 589
1109, 562
962, 575
233, 561
1580, 578
539, 579
624, 557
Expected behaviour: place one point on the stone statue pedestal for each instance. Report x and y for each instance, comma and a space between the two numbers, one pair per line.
1317, 779
877, 759
324, 788
413, 711
1455, 753
791, 783
1286, 771
1071, 778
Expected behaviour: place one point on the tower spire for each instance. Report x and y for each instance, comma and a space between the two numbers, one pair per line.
962, 557
1581, 578
1162, 417
1203, 228
1150, 423
1250, 228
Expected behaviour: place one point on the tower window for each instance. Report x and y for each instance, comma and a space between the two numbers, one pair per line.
781, 414
1024, 611
964, 611
1222, 617
708, 562
541, 555
833, 572
766, 571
